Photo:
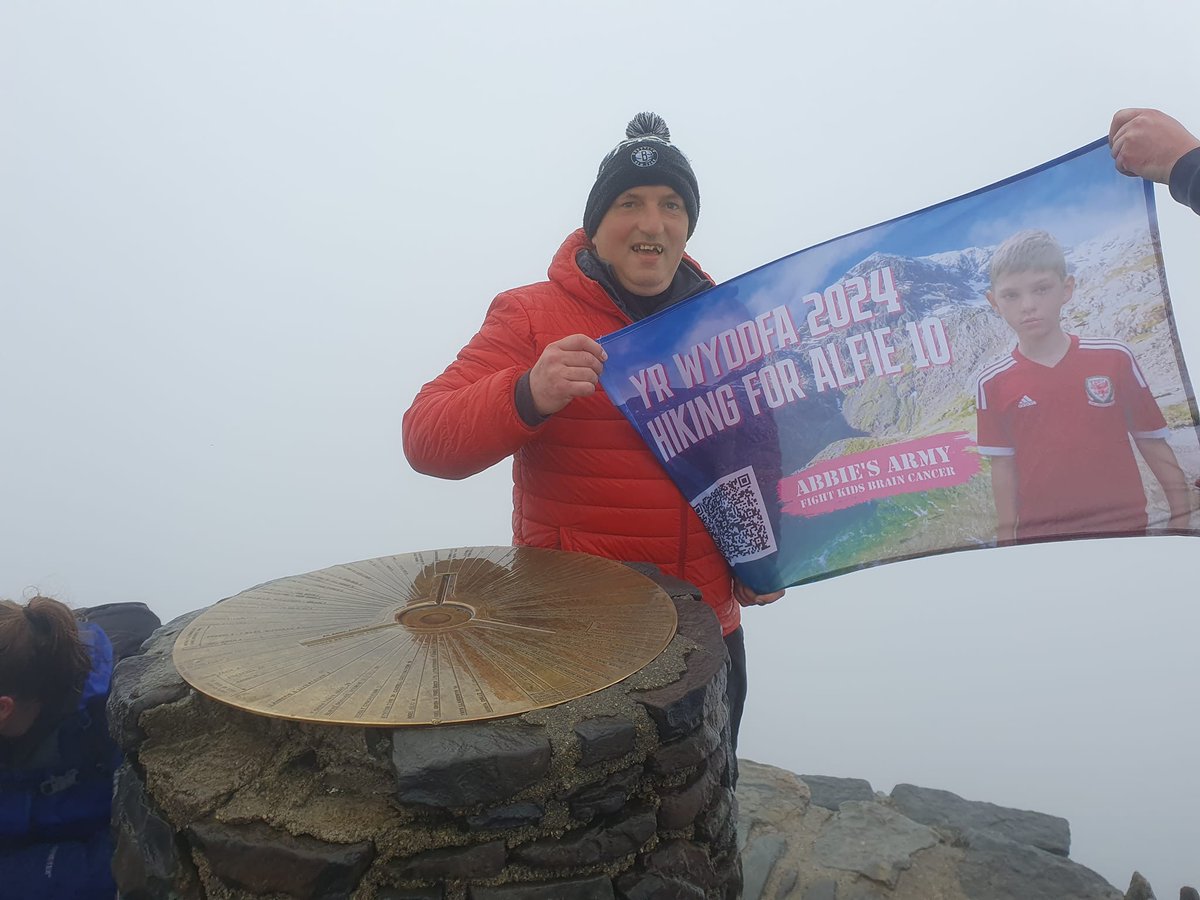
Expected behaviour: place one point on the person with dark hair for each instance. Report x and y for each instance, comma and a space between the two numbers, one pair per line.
526, 386
1150, 144
56, 757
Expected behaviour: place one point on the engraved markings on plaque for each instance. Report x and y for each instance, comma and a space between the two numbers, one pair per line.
450, 635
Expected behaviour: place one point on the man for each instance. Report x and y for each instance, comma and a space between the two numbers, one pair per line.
526, 386
1150, 144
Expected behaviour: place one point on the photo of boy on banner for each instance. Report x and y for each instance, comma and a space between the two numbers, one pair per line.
1002, 367
1069, 406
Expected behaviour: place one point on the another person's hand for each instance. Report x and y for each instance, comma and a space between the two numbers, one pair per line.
745, 596
568, 368
1148, 143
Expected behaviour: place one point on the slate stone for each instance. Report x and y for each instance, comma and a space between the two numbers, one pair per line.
759, 857
680, 807
1139, 888
688, 751
680, 708
258, 858
831, 792
996, 868
872, 840
952, 814
463, 765
604, 738
146, 860
674, 587
606, 797
683, 861
140, 683
459, 863
717, 824
516, 815
420, 893
594, 888
643, 886
826, 889
588, 846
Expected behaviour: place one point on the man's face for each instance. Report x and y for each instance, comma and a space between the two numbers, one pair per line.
642, 237
1031, 302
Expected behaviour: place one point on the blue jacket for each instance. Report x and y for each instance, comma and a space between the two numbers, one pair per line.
56, 796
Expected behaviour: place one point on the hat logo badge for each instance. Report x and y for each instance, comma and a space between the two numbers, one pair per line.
644, 157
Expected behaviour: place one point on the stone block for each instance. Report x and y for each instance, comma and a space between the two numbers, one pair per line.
680, 708
605, 798
139, 683
643, 886
600, 843
464, 765
595, 888
683, 861
146, 859
952, 814
255, 857
674, 587
453, 863
516, 815
680, 807
419, 893
831, 792
604, 738
688, 751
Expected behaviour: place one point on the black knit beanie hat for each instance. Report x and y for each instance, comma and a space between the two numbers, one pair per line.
646, 156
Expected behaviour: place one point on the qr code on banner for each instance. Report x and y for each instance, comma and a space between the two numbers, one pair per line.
733, 511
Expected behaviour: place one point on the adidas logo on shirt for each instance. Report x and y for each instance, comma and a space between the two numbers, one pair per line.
1026, 401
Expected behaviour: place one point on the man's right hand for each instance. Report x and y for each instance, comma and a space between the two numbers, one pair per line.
1148, 143
568, 368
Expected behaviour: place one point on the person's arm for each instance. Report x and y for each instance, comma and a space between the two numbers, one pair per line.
491, 400
1004, 492
77, 869
1162, 462
1150, 144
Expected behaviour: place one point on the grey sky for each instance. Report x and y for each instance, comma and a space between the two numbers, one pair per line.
235, 239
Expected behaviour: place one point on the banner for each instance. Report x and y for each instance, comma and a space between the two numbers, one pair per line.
1002, 367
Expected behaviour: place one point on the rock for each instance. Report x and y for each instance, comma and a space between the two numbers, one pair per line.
604, 798
680, 708
476, 861
679, 808
516, 815
1139, 888
258, 858
996, 868
589, 846
604, 738
831, 792
872, 840
598, 888
1189, 893
950, 812
462, 765
759, 857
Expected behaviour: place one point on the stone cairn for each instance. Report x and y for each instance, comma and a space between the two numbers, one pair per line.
625, 793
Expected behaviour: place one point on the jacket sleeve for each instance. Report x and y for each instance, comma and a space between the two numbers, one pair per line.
66, 870
466, 419
1185, 180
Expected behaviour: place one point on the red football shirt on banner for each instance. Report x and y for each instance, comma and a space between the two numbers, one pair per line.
1067, 427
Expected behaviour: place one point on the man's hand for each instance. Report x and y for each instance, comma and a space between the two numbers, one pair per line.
568, 368
746, 597
1148, 143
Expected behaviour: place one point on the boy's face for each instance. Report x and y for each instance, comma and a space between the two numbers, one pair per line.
1032, 301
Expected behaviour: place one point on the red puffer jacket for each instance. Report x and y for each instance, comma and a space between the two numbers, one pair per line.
583, 480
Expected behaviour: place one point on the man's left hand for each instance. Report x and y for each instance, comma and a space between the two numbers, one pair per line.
746, 597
